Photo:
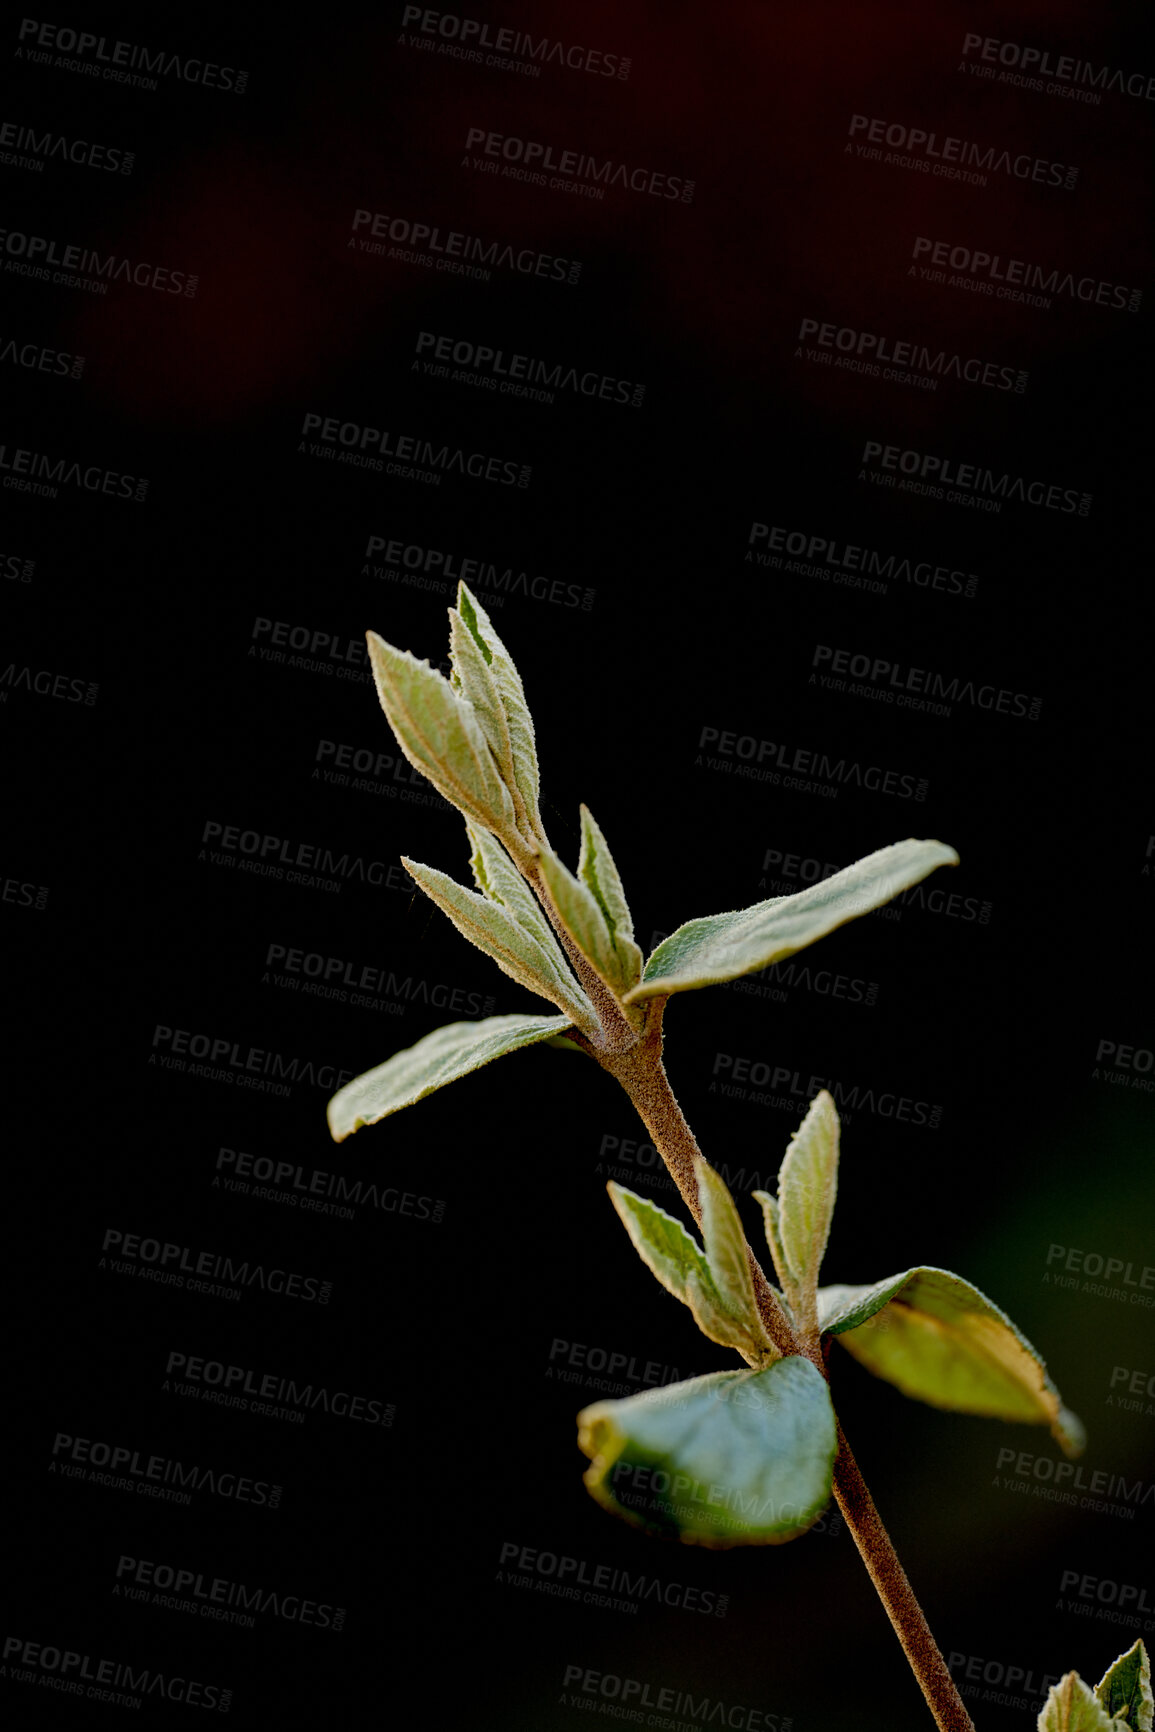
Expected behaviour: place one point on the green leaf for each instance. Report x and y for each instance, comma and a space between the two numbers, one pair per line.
499, 881
679, 1263
725, 1245
517, 952
723, 946
939, 1340
579, 913
735, 1458
441, 735
660, 1240
442, 1057
1071, 1707
1125, 1689
774, 1239
807, 1185
518, 721
473, 678
598, 873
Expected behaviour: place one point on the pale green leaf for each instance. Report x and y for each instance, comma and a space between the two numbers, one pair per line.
598, 873
441, 735
723, 946
718, 1323
774, 1239
1071, 1707
578, 911
724, 1242
841, 1308
1125, 1690
939, 1340
516, 951
735, 1458
679, 1263
474, 679
442, 1057
499, 881
807, 1185
519, 723
661, 1242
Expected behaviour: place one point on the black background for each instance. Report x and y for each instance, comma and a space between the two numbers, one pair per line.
659, 628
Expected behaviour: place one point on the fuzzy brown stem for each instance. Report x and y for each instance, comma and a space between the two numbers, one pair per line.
642, 1074
896, 1593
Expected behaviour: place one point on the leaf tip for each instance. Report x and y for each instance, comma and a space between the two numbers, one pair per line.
1069, 1433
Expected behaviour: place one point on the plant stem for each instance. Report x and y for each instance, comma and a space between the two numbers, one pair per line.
896, 1593
642, 1074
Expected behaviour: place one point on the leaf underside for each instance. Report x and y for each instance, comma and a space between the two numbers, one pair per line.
722, 947
441, 1057
940, 1340
733, 1458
